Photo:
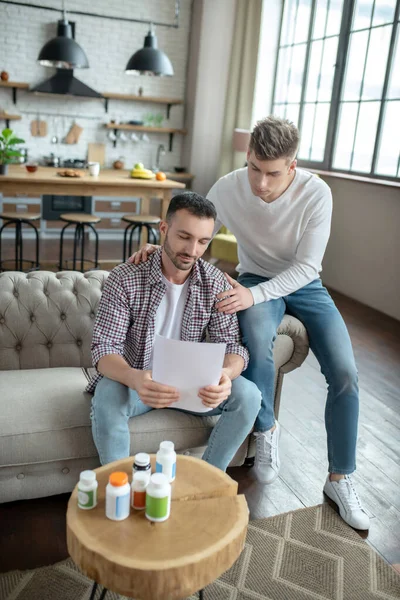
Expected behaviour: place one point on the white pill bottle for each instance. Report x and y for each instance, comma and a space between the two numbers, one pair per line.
158, 498
87, 490
166, 460
118, 494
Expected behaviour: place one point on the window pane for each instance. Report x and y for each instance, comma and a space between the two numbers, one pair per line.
345, 138
355, 65
314, 71
320, 128
394, 82
335, 17
307, 131
328, 69
288, 22
320, 19
388, 154
362, 14
281, 89
376, 63
383, 11
296, 73
292, 113
302, 21
279, 110
365, 136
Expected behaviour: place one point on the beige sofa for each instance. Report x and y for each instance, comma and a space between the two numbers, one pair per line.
46, 322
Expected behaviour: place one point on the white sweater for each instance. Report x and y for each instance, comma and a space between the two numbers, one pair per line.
284, 240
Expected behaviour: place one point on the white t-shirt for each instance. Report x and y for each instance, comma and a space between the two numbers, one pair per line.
170, 311
284, 240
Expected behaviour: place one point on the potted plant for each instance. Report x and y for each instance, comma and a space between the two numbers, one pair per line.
8, 141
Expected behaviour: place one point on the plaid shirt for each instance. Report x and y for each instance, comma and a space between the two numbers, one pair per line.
125, 322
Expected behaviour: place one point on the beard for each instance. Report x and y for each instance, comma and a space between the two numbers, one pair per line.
175, 258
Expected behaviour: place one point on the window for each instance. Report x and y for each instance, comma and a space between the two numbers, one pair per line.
338, 79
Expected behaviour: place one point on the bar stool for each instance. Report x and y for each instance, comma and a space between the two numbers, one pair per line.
17, 219
138, 222
80, 220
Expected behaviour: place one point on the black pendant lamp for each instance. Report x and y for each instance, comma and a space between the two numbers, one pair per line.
149, 60
62, 51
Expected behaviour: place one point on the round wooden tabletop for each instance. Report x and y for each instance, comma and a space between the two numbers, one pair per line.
202, 538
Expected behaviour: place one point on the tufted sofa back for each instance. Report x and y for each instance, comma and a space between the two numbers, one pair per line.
46, 319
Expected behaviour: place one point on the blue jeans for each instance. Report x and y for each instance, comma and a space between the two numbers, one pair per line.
114, 404
330, 342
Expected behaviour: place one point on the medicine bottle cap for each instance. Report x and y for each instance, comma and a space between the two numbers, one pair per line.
142, 459
168, 446
118, 478
159, 480
141, 478
87, 477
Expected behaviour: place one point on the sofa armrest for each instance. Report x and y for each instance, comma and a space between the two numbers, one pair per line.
293, 328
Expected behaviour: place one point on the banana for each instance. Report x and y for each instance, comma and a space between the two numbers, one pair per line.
142, 174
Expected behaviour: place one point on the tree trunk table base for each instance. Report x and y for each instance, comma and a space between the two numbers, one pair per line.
202, 538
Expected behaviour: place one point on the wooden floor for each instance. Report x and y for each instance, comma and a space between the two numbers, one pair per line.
33, 532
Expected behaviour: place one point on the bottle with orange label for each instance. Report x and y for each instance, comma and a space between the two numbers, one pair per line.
138, 487
118, 497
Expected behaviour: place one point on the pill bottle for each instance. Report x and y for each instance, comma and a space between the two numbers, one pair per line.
138, 490
158, 498
87, 490
118, 493
142, 463
166, 460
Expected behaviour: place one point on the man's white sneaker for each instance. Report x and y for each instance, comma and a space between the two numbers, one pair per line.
267, 463
343, 493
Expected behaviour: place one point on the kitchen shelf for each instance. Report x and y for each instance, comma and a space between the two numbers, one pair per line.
136, 98
143, 128
7, 118
14, 85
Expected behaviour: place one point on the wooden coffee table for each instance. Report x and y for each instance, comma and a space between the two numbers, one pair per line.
202, 539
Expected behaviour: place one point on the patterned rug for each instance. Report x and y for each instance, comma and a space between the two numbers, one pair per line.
307, 554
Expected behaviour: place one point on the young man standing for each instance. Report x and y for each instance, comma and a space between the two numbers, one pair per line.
281, 218
173, 294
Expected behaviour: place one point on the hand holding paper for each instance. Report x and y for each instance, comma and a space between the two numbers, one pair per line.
189, 367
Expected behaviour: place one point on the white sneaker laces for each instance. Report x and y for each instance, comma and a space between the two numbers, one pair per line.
349, 494
266, 451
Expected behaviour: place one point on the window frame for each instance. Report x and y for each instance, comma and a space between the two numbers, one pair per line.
337, 87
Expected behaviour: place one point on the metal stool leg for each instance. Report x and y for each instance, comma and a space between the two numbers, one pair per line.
76, 242
6, 224
35, 264
61, 244
17, 248
139, 227
201, 594
94, 588
125, 240
82, 248
103, 594
96, 251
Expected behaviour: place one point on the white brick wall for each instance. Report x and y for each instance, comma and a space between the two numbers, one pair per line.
108, 45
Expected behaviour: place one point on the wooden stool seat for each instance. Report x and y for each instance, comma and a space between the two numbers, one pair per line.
149, 219
79, 218
19, 216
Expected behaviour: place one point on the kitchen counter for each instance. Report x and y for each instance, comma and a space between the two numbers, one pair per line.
110, 182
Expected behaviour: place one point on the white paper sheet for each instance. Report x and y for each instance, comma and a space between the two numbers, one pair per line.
188, 366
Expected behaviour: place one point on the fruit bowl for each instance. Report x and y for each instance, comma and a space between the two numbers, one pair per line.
31, 168
180, 169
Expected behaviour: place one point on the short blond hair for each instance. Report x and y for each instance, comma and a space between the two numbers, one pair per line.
274, 138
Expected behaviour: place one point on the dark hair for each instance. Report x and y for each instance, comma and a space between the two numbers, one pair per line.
193, 203
274, 138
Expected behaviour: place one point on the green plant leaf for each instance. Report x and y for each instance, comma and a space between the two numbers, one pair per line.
13, 153
16, 141
7, 133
